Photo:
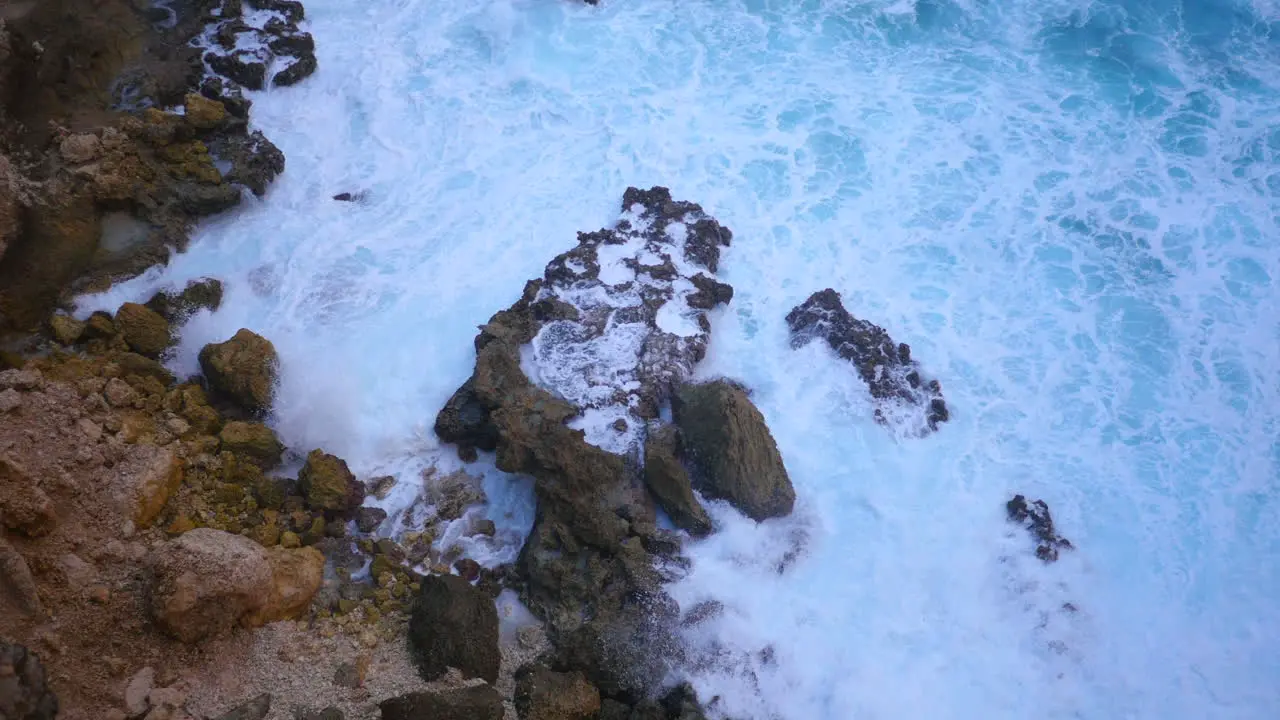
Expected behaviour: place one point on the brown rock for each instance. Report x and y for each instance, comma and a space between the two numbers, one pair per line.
24, 507
81, 148
203, 113
66, 329
545, 695
244, 368
119, 394
17, 587
144, 480
479, 702
726, 439
253, 441
670, 483
24, 690
206, 581
454, 625
144, 329
328, 484
296, 575
454, 493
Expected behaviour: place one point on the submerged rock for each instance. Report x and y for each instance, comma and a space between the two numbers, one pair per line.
243, 368
479, 702
885, 366
454, 625
728, 442
24, 689
1034, 516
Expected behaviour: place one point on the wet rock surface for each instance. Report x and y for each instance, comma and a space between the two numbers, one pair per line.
241, 47
243, 368
479, 702
670, 483
887, 367
1034, 516
729, 444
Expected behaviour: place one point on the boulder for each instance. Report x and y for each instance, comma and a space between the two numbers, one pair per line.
255, 161
206, 580
478, 702
246, 67
137, 691
369, 518
17, 586
453, 624
298, 70
66, 329
453, 494
205, 293
885, 366
80, 148
144, 480
243, 368
296, 576
328, 484
734, 455
255, 709
252, 441
144, 330
24, 690
545, 695
1034, 516
670, 484
24, 507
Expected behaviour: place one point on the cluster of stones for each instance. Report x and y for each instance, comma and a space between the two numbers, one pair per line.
244, 46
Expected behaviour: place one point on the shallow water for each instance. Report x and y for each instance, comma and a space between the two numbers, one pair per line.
1068, 209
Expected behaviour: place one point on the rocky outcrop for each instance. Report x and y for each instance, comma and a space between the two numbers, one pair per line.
612, 327
24, 690
1034, 516
242, 368
296, 575
328, 484
242, 47
205, 293
206, 580
886, 367
670, 482
454, 625
545, 695
726, 439
478, 702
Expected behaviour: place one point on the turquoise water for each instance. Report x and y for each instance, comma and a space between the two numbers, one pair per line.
1070, 210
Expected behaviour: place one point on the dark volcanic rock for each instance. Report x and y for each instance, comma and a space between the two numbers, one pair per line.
246, 67
454, 625
255, 160
670, 484
1035, 517
24, 691
292, 10
205, 293
479, 702
885, 366
729, 444
297, 70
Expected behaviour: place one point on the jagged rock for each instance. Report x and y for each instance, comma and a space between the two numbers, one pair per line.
119, 394
206, 580
296, 576
726, 439
99, 326
17, 586
246, 67
885, 366
203, 113
292, 10
244, 368
66, 329
80, 148
255, 161
299, 69
255, 709
479, 702
143, 329
144, 480
1035, 517
24, 690
135, 364
454, 625
253, 441
20, 379
369, 518
24, 507
453, 494
177, 307
670, 484
286, 39
545, 695
327, 483
215, 88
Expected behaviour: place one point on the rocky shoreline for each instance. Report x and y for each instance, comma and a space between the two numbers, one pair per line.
158, 562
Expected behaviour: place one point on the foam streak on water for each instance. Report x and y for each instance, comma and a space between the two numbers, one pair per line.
1069, 209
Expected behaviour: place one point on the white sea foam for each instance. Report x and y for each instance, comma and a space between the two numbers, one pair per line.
1068, 209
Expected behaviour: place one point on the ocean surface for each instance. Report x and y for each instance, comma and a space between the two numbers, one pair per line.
1069, 208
